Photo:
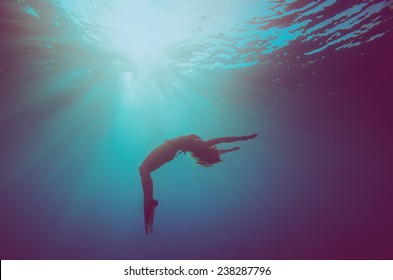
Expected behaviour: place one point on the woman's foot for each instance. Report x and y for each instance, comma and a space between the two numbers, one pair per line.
149, 209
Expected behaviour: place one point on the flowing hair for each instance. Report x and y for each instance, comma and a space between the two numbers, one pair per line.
209, 157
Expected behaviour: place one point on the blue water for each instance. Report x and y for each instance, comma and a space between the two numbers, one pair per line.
89, 88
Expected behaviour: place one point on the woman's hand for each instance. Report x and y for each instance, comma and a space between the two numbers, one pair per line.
149, 209
249, 137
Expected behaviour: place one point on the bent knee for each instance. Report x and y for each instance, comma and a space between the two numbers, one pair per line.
143, 170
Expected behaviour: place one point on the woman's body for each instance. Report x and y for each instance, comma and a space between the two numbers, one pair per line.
205, 152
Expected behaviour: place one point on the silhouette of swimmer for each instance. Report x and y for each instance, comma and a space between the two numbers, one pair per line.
204, 152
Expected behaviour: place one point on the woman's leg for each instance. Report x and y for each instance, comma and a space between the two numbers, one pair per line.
147, 184
149, 203
154, 160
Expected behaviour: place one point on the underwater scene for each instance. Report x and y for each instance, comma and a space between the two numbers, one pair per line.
88, 88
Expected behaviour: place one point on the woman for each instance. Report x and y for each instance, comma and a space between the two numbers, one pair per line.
204, 152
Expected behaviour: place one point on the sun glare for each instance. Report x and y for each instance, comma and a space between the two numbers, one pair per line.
144, 32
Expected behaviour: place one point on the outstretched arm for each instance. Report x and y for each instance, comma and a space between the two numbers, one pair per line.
223, 151
230, 139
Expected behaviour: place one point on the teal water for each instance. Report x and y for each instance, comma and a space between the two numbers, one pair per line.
89, 88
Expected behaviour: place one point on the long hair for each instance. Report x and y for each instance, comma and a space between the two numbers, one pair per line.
210, 156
